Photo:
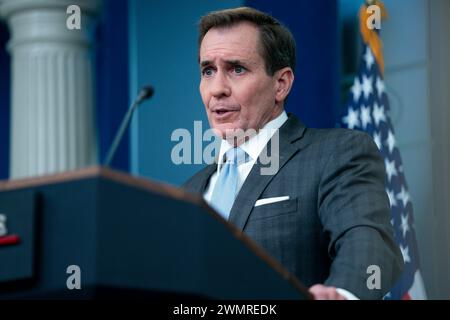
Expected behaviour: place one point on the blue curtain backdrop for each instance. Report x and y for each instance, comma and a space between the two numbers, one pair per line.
112, 64
314, 24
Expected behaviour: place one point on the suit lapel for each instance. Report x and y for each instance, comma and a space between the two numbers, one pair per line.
203, 179
255, 183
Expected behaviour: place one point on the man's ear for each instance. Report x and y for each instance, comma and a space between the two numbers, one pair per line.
284, 79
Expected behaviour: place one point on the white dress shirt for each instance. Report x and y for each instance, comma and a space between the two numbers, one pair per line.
253, 148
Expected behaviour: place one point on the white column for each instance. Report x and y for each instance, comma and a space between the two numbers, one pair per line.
52, 112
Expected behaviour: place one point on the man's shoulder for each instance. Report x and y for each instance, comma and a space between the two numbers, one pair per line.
338, 137
340, 145
296, 128
332, 135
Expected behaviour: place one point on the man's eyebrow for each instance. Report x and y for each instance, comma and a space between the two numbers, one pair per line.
205, 63
233, 62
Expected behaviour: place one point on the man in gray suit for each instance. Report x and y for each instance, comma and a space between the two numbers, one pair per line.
324, 213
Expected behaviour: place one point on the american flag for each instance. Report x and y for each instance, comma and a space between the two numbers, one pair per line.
368, 110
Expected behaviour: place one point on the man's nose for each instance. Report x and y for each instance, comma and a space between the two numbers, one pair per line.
220, 86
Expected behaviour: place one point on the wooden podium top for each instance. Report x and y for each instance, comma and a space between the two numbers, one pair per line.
98, 171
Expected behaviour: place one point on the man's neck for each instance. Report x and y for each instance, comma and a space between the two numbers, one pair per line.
253, 144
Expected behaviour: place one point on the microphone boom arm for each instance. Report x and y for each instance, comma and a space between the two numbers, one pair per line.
145, 93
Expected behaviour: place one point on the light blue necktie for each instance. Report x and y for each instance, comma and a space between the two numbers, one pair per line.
226, 187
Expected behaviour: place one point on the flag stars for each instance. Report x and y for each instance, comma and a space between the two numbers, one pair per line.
380, 86
367, 86
356, 89
404, 225
368, 109
352, 119
390, 170
365, 116
378, 114
405, 253
377, 139
392, 199
368, 57
403, 196
390, 141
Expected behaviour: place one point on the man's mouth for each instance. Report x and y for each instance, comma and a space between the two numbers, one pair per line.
219, 112
222, 113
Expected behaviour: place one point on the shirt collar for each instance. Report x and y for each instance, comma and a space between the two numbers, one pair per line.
255, 144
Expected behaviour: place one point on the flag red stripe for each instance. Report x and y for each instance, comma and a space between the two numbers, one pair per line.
406, 296
9, 240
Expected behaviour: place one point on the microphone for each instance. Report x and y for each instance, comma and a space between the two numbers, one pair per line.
145, 93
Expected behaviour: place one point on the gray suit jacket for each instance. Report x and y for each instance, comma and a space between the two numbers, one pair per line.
336, 222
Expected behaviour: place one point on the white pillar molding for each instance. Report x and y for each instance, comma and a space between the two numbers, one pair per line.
52, 111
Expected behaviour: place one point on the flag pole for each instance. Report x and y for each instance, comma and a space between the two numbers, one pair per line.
371, 37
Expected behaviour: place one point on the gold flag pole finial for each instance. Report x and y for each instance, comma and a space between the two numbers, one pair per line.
369, 34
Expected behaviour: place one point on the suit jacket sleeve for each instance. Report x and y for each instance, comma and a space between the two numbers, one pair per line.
355, 213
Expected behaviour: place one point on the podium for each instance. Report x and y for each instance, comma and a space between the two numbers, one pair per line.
98, 233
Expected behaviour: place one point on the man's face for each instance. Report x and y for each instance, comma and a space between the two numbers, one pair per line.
235, 88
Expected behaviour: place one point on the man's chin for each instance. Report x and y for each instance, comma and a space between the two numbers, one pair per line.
234, 135
219, 133
222, 130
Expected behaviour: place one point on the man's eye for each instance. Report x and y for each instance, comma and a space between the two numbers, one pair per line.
207, 72
239, 69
